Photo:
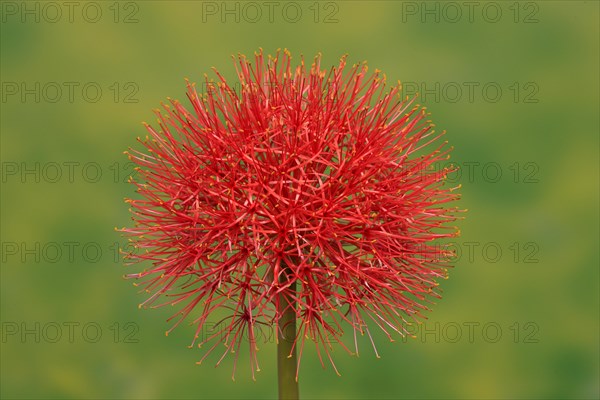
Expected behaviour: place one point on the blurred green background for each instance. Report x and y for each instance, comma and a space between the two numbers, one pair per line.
515, 84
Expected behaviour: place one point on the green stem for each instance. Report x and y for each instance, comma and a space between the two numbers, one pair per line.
286, 336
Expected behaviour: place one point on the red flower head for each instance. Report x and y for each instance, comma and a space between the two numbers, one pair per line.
305, 192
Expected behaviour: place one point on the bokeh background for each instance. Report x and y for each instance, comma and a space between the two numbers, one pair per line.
519, 316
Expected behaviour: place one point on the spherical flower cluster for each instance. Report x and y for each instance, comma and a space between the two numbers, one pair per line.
302, 190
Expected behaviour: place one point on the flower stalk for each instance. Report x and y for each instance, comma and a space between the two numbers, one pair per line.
287, 362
